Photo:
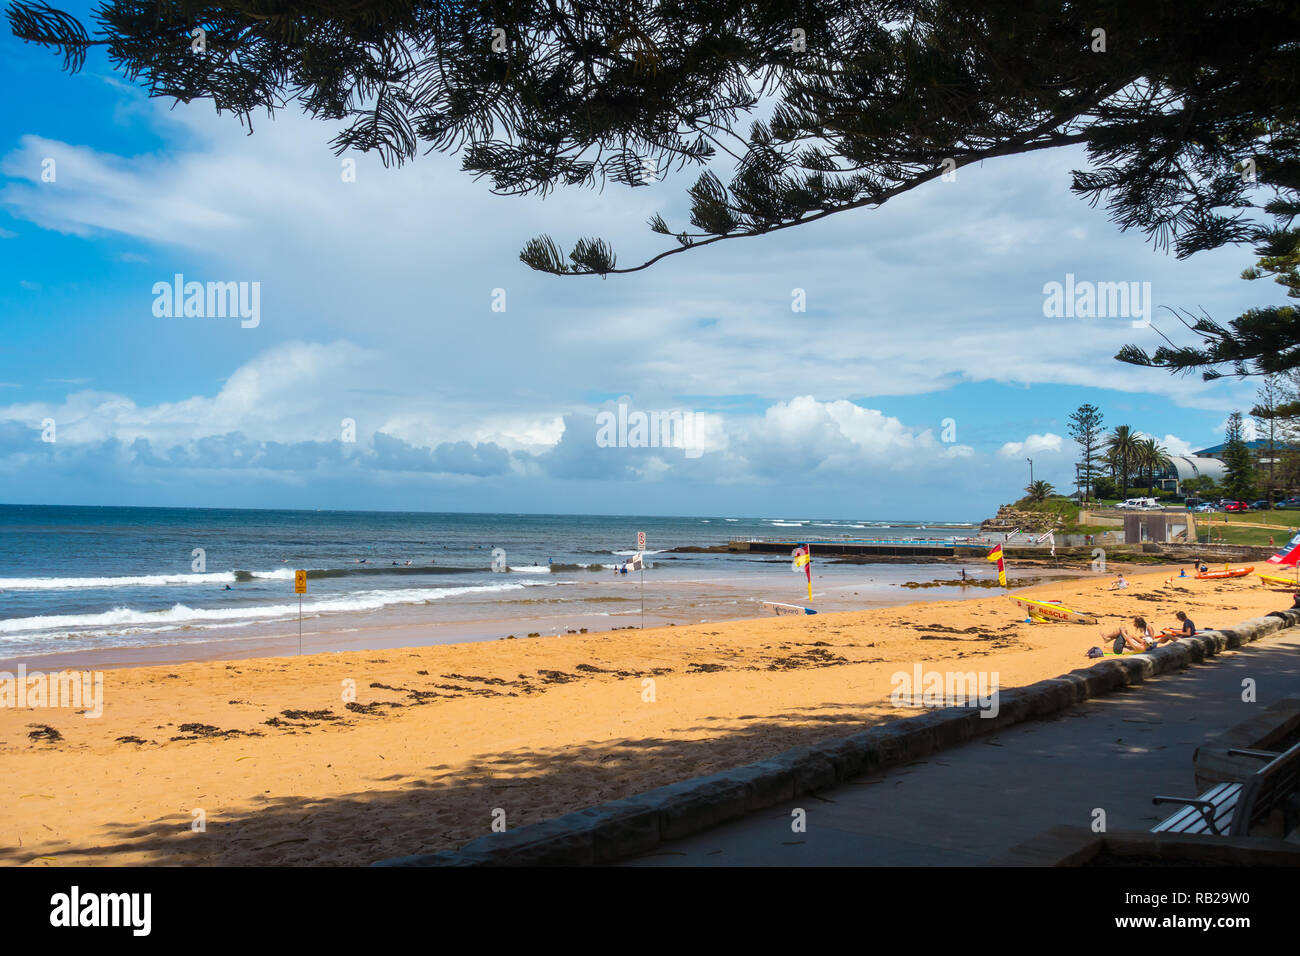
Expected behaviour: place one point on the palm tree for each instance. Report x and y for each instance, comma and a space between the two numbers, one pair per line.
1111, 461
1040, 490
1122, 451
1152, 457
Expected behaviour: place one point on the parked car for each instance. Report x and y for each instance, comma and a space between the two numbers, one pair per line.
1236, 506
1138, 504
1261, 505
1288, 503
1206, 508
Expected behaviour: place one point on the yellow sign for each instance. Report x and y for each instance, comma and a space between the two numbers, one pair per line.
300, 582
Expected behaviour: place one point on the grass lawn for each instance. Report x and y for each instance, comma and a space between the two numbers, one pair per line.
1277, 519
1232, 533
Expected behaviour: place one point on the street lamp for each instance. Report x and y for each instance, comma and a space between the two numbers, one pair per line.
1031, 470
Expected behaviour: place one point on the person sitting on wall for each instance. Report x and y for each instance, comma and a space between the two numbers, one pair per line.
1139, 640
1186, 628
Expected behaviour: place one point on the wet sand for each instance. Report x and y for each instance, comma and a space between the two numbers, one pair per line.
347, 758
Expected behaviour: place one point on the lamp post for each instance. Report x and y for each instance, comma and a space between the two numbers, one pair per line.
1031, 470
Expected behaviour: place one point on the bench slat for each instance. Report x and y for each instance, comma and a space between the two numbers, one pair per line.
1189, 819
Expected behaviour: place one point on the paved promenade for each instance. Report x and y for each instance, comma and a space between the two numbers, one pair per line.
968, 804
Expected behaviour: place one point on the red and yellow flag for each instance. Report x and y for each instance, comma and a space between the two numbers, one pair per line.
996, 555
802, 556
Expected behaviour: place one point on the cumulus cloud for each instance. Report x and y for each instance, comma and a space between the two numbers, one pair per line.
1173, 444
1047, 444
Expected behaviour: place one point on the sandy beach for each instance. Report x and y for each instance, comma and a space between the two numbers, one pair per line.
347, 758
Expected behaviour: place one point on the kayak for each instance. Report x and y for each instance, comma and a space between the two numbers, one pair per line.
1051, 611
1225, 573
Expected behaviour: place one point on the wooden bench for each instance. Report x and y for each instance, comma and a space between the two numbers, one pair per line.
1266, 803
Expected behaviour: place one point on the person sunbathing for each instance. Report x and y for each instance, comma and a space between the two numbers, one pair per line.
1137, 641
1118, 584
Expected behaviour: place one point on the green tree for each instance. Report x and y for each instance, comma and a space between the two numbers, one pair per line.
1085, 428
1104, 486
1151, 458
1274, 414
1260, 341
1039, 490
1239, 461
1200, 486
868, 99
1122, 452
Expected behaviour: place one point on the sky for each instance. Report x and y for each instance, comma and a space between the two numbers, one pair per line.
403, 358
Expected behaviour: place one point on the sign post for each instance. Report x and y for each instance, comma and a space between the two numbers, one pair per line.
300, 588
640, 547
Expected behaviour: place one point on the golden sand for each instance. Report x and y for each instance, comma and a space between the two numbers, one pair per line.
287, 768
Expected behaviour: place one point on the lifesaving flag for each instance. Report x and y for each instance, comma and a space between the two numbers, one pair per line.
802, 556
1289, 555
996, 555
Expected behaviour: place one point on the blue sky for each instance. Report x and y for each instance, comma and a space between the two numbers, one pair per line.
376, 306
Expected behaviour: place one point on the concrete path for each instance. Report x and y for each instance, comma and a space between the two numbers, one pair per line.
965, 805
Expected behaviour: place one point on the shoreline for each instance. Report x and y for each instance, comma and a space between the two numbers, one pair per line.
343, 633
285, 769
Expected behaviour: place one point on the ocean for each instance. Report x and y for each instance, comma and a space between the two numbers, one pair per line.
117, 585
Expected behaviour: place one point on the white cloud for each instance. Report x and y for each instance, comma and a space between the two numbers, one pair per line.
1047, 444
406, 260
1175, 445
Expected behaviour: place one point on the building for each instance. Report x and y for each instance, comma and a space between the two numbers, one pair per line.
1184, 467
1258, 448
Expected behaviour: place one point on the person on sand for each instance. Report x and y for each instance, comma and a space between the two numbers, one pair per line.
1119, 584
1137, 641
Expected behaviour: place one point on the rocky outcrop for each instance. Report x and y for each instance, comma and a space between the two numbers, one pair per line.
1010, 518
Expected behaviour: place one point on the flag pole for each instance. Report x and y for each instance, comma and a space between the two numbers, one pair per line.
809, 569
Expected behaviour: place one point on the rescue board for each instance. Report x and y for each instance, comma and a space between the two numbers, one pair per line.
1048, 611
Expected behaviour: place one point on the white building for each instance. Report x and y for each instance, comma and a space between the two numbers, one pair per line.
1183, 467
